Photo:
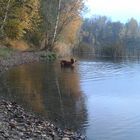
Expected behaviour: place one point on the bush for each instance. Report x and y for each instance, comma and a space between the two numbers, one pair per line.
48, 56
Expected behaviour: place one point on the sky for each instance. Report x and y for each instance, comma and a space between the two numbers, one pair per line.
116, 10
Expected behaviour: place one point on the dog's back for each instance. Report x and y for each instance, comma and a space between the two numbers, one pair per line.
65, 63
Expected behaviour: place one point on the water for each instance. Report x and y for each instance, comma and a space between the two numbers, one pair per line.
100, 98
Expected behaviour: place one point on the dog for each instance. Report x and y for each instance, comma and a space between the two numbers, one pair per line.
65, 63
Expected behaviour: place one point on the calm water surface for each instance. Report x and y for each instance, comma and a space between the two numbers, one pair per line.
99, 98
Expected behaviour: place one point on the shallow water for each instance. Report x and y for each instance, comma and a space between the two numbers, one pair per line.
100, 98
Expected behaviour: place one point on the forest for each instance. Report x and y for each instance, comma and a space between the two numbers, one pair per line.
41, 24
106, 38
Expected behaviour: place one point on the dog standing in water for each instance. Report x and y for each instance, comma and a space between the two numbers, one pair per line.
67, 64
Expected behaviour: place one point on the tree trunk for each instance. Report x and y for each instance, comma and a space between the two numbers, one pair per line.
5, 17
44, 42
56, 24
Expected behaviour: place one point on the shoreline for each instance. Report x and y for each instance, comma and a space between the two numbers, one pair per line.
18, 58
16, 123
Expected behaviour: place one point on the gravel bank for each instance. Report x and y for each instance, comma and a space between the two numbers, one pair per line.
17, 124
18, 58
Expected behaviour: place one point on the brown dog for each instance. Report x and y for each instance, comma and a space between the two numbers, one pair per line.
65, 63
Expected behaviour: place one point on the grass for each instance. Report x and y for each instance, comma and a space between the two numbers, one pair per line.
5, 52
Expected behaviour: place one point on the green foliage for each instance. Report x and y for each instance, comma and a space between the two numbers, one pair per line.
48, 56
5, 52
18, 17
84, 47
13, 29
34, 38
110, 38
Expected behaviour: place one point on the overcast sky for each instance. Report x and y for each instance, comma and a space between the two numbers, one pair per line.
115, 9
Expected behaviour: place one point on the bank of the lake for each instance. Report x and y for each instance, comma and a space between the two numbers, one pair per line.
12, 58
18, 58
15, 122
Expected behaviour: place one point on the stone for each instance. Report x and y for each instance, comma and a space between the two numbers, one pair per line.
65, 138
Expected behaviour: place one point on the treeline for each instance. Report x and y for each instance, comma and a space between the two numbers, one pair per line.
108, 38
46, 24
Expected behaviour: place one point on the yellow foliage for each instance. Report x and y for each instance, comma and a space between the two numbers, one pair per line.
19, 45
70, 23
21, 18
62, 49
70, 33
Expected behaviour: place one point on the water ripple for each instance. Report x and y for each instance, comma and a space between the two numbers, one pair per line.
95, 71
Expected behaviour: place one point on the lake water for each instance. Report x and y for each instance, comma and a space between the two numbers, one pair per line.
100, 98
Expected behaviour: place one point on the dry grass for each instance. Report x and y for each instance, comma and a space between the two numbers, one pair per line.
63, 49
19, 45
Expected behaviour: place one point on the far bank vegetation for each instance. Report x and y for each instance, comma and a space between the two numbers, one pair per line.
103, 37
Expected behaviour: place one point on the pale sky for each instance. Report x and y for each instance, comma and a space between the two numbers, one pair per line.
115, 9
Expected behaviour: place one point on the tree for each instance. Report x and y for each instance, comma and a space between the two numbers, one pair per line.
41, 22
111, 38
56, 23
56, 19
4, 8
132, 28
18, 17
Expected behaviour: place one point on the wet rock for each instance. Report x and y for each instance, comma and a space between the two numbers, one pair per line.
12, 125
65, 138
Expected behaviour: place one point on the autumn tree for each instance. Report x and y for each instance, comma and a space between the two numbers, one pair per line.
57, 15
132, 28
41, 22
17, 17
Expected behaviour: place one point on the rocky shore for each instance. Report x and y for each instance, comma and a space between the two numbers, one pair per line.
18, 58
16, 123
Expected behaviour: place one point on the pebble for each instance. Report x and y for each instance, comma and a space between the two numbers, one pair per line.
29, 127
65, 138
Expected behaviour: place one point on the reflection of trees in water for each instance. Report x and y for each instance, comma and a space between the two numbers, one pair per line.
23, 85
68, 103
54, 92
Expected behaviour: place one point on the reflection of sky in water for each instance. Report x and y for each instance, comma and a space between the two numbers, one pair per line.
113, 100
